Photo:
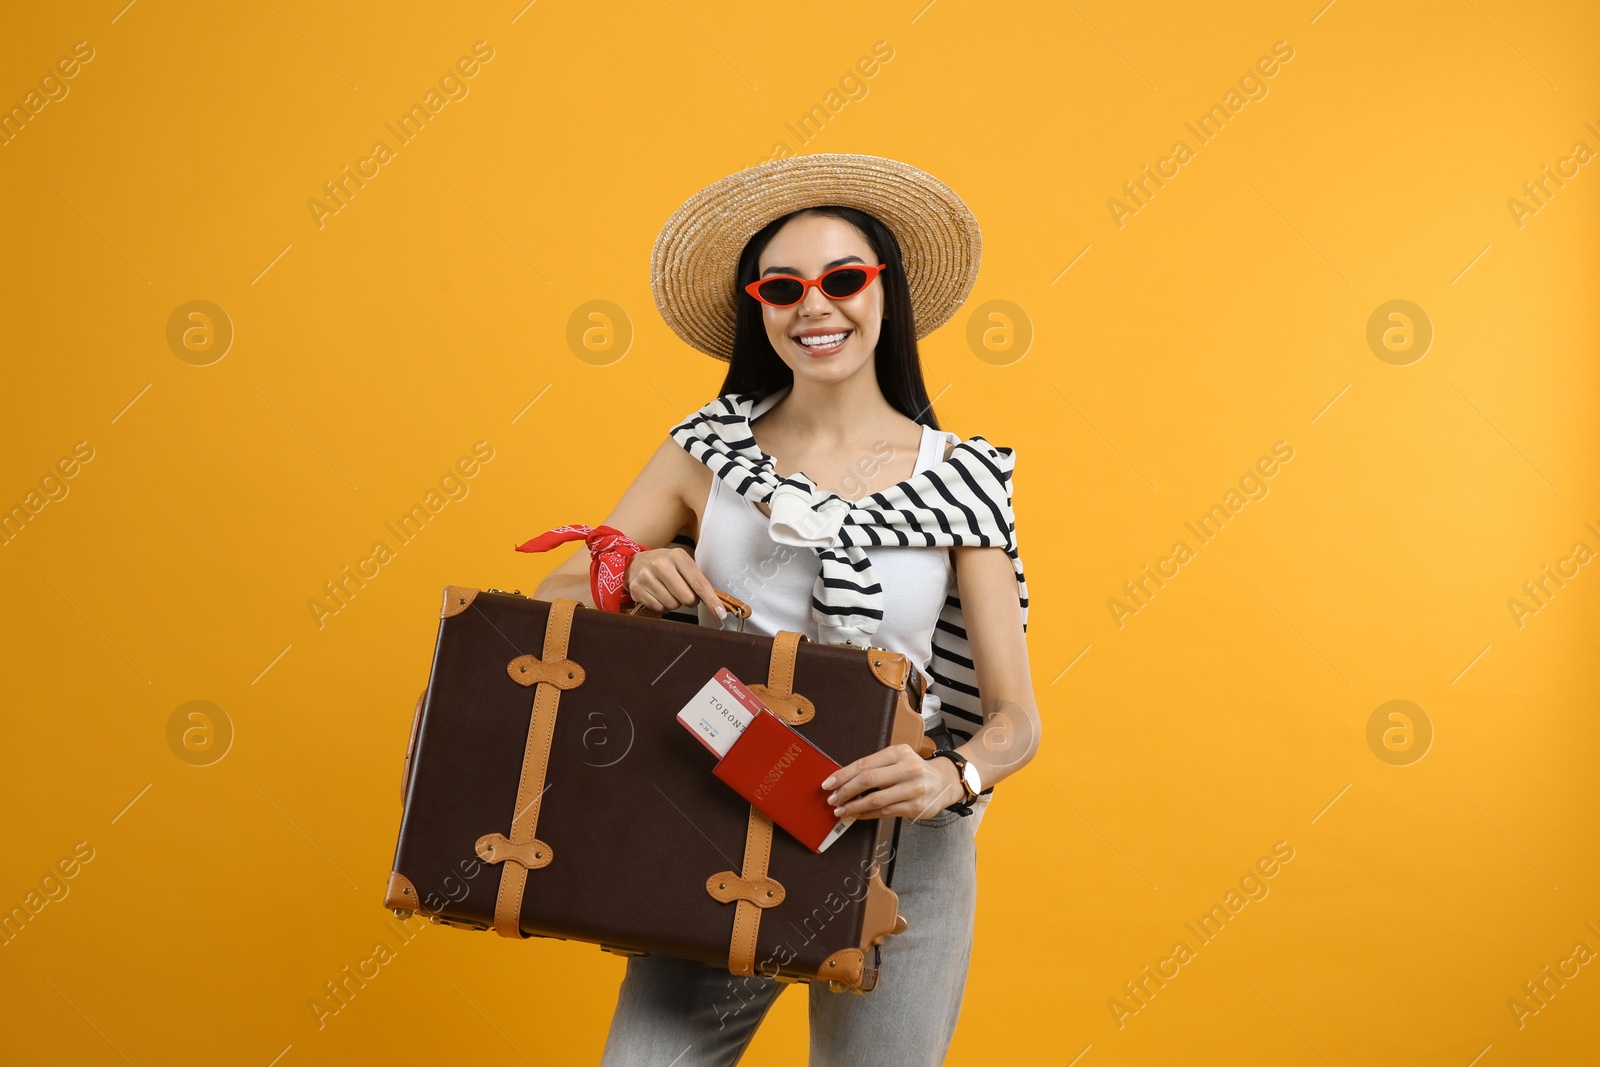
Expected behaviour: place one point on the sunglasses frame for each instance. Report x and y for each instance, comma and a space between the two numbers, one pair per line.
807, 283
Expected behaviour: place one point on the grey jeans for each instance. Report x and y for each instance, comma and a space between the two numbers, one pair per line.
679, 1013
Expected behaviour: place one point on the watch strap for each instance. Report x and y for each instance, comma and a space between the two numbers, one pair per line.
962, 806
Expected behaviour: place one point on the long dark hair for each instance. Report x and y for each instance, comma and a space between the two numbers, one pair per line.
757, 368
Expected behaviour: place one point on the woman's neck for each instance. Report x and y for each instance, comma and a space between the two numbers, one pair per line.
831, 416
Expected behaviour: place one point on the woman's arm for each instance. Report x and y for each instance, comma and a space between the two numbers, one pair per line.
1009, 736
652, 511
905, 783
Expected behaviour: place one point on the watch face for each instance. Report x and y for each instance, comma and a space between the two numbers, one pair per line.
970, 773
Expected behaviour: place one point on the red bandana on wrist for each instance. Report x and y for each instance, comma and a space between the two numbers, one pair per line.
609, 551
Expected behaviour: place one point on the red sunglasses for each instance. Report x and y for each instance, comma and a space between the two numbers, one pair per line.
787, 290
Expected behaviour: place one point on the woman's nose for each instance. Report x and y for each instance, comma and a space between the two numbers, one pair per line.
815, 304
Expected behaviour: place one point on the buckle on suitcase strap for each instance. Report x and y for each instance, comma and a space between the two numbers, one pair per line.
522, 851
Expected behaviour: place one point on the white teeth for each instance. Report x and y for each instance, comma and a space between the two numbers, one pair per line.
825, 340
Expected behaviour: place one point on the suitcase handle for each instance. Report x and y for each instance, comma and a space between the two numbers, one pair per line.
737, 607
411, 748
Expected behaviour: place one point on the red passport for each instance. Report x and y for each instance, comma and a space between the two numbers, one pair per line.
781, 773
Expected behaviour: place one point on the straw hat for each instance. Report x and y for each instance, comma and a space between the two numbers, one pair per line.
697, 252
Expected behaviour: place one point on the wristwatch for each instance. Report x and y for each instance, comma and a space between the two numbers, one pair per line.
967, 773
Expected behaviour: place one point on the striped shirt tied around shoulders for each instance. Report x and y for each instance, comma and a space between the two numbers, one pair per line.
964, 501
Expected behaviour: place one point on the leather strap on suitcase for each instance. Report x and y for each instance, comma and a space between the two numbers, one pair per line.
522, 851
753, 888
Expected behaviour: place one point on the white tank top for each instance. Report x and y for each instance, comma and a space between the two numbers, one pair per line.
738, 555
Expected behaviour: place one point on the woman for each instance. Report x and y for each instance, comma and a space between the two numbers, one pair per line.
839, 263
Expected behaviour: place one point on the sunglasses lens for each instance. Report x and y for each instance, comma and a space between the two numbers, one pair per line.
847, 281
781, 291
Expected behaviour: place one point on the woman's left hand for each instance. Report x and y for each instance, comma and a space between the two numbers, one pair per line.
902, 783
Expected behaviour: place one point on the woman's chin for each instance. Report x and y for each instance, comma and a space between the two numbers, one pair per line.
834, 368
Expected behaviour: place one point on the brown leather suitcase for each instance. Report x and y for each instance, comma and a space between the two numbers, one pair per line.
549, 790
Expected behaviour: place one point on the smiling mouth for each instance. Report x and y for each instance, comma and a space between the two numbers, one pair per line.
824, 344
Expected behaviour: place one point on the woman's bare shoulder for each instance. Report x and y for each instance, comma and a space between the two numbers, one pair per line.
683, 468
688, 478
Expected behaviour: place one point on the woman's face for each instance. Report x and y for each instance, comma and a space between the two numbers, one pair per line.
806, 246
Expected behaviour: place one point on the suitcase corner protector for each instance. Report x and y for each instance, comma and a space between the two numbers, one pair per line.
457, 598
400, 895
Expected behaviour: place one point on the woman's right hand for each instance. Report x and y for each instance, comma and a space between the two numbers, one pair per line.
663, 579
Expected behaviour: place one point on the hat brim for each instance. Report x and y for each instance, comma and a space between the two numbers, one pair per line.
697, 252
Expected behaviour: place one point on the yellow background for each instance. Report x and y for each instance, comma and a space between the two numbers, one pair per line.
433, 310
